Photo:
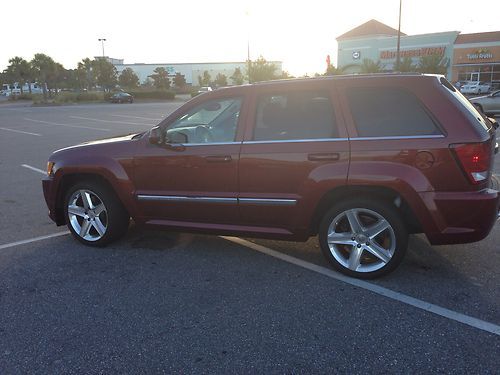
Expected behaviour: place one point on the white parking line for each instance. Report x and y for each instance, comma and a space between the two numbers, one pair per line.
138, 117
420, 304
33, 168
110, 121
17, 243
20, 131
65, 125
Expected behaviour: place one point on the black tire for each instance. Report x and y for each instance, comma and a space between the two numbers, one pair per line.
368, 213
114, 219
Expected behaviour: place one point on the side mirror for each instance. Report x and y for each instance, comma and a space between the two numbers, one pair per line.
155, 136
176, 137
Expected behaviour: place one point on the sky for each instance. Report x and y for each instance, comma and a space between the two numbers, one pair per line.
299, 33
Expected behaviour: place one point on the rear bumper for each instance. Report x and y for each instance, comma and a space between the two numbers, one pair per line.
461, 217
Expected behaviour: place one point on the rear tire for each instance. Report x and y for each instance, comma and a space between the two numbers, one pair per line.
363, 238
94, 214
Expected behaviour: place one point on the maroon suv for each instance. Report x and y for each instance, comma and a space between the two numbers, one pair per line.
362, 161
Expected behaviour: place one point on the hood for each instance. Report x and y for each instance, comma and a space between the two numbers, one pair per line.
116, 139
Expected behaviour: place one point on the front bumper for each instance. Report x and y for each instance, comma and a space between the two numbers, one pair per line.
50, 195
461, 217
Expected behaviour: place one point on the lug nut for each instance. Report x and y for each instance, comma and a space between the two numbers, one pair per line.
358, 245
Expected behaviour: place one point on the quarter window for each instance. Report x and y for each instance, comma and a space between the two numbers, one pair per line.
389, 111
210, 122
294, 115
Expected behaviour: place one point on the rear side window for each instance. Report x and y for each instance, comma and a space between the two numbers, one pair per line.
294, 115
389, 112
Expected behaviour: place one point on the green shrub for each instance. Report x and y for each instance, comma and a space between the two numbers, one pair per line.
23, 96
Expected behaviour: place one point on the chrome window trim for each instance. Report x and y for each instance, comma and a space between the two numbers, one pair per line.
268, 201
433, 136
178, 198
210, 143
255, 201
297, 140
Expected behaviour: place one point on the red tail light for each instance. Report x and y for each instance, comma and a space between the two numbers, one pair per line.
475, 159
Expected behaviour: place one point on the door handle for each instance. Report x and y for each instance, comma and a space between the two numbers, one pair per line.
218, 158
324, 157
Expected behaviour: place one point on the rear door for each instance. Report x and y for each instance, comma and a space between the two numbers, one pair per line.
295, 148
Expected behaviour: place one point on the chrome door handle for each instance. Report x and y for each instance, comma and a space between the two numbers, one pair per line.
324, 157
218, 158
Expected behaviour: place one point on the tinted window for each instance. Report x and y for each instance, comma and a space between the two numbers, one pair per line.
294, 115
381, 112
209, 122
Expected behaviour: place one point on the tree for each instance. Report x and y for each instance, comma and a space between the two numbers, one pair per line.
332, 70
220, 80
179, 80
205, 80
406, 65
370, 66
43, 67
85, 74
160, 78
285, 75
128, 78
19, 71
261, 70
433, 64
237, 78
105, 73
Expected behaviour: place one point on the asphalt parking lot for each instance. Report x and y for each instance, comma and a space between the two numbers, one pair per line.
176, 302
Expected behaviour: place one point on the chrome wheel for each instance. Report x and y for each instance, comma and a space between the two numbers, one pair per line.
87, 215
361, 240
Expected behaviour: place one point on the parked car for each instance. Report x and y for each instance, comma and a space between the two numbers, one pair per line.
332, 156
488, 104
121, 97
204, 89
477, 87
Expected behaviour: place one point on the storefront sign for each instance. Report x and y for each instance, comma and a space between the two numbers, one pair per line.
426, 51
480, 55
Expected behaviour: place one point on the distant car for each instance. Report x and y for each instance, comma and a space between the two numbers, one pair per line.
488, 104
477, 87
121, 97
204, 89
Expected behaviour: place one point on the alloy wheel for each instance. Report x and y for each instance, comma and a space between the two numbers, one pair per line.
361, 240
87, 215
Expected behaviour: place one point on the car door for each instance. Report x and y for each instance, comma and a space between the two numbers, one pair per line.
192, 178
295, 149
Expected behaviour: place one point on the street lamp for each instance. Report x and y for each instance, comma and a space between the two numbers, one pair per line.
249, 63
398, 54
102, 40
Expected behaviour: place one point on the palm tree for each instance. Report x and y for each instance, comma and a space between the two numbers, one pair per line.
332, 70
370, 66
19, 70
406, 65
433, 64
43, 68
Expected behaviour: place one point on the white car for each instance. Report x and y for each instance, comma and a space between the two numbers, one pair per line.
477, 87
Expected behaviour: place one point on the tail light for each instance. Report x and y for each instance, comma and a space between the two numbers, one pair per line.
475, 160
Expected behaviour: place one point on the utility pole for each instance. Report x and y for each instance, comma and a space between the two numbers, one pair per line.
398, 53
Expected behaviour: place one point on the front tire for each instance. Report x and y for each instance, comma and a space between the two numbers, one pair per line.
363, 238
94, 214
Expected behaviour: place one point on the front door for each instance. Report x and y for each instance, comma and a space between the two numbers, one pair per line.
193, 176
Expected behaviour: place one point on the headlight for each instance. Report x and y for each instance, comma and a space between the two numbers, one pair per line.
50, 167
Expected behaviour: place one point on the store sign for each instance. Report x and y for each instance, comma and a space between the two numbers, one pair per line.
480, 54
356, 55
417, 52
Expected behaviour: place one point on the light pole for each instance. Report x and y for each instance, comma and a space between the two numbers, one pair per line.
247, 13
102, 40
398, 54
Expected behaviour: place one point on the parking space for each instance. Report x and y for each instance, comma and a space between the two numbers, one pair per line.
158, 301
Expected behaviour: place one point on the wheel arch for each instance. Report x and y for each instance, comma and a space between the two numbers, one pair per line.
381, 193
70, 179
